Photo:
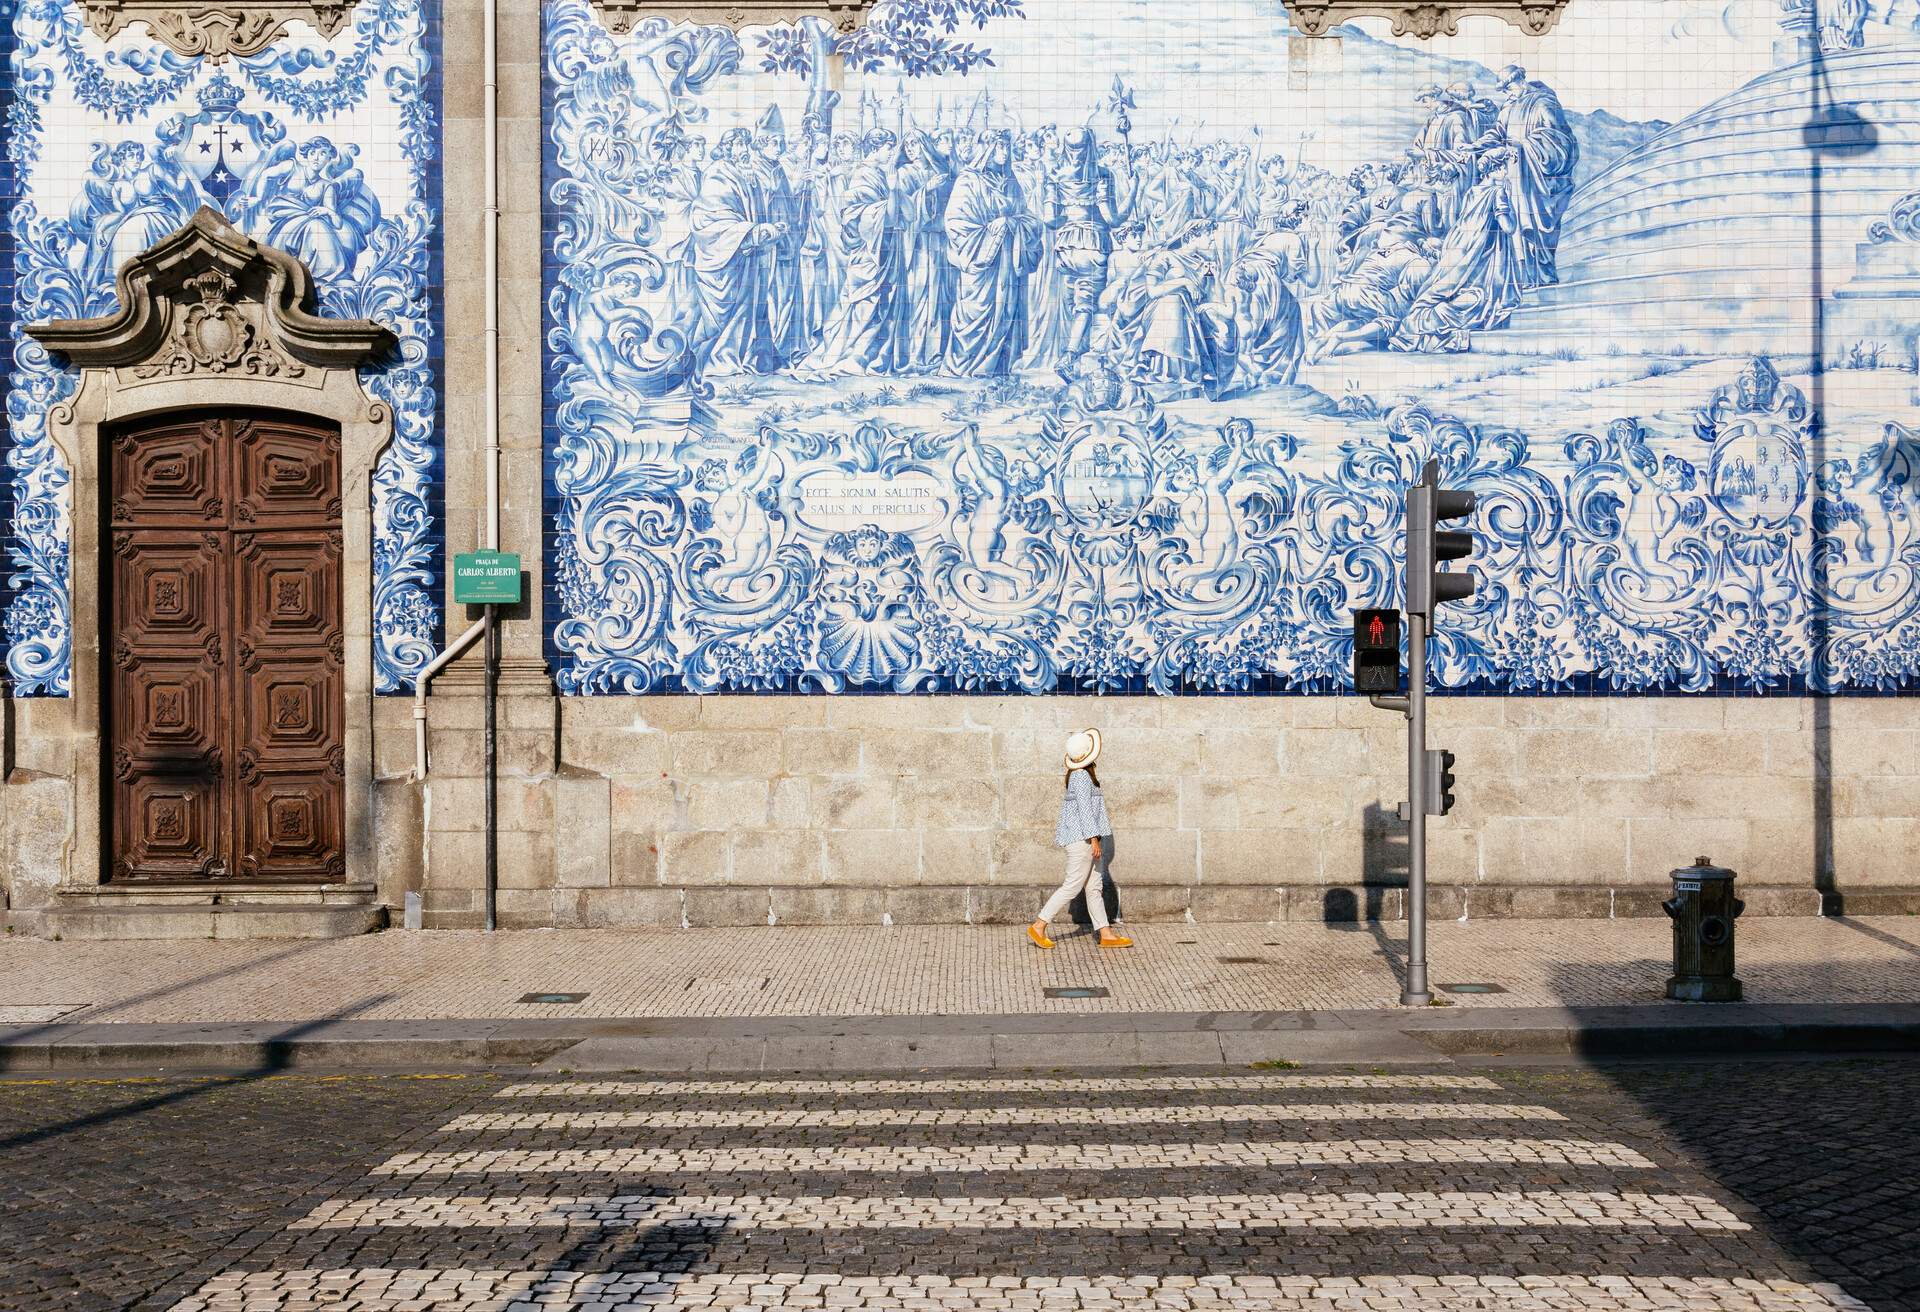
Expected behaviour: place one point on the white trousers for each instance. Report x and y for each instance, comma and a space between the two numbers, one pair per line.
1082, 872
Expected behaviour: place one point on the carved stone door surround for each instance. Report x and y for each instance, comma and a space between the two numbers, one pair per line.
209, 318
217, 30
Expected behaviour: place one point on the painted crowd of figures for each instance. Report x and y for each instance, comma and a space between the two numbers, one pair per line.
1206, 268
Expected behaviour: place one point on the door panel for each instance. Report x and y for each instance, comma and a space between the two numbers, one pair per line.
227, 710
173, 828
282, 475
173, 472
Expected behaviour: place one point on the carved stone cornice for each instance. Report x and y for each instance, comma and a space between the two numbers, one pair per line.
620, 16
208, 299
217, 30
1317, 17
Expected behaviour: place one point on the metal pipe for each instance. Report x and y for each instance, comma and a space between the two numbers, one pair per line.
440, 662
490, 334
1414, 992
490, 246
493, 771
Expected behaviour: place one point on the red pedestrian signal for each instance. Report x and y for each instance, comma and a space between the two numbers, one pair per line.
1376, 651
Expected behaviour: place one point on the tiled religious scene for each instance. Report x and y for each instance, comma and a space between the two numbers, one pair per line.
1087, 347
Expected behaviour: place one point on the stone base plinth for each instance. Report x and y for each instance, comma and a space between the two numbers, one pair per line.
962, 904
226, 911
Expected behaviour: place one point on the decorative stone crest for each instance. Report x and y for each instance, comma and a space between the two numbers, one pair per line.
1317, 17
214, 337
220, 30
844, 16
209, 301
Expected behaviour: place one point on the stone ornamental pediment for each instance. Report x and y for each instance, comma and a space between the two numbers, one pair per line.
1318, 17
220, 30
843, 16
209, 301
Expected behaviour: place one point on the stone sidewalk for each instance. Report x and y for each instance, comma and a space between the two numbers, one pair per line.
920, 998
924, 971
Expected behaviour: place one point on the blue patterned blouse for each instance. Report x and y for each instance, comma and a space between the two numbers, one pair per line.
1083, 812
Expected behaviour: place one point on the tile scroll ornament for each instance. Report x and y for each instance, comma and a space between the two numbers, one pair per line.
842, 15
216, 31
1318, 17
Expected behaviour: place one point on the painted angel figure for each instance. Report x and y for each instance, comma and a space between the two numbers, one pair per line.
312, 202
130, 200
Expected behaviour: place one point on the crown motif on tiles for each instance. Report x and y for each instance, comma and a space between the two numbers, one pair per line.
1318, 17
217, 31
620, 16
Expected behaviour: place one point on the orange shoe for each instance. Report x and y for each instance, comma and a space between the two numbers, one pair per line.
1039, 940
1117, 941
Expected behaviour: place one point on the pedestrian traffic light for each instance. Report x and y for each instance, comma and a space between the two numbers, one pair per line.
1439, 781
1376, 651
1428, 545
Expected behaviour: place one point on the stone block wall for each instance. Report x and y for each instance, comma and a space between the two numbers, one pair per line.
806, 810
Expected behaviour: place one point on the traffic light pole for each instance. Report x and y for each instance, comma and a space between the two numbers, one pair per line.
1413, 992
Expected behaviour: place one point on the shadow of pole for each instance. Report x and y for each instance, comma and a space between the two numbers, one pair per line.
1839, 131
276, 1056
95, 1012
1385, 863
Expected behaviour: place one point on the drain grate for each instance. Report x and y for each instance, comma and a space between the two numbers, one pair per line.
1470, 988
553, 997
1077, 991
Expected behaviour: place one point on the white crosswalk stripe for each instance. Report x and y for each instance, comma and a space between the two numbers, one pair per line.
1353, 1211
936, 1117
478, 1290
1009, 1157
855, 1088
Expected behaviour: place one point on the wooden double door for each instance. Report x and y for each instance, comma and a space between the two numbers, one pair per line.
221, 614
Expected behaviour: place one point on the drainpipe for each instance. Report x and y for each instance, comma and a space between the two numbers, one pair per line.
490, 248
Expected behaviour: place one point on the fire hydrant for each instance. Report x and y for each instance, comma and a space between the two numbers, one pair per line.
1703, 909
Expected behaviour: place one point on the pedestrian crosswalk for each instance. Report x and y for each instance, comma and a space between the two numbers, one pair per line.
1181, 1193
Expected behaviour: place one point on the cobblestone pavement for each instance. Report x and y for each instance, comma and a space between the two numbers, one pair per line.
1752, 1186
924, 970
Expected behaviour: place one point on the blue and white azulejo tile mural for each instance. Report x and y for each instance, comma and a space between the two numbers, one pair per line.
329, 150
1090, 346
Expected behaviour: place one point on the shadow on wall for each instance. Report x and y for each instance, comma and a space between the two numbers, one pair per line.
1832, 131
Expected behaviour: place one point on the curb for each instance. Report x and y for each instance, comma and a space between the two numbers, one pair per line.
1092, 1041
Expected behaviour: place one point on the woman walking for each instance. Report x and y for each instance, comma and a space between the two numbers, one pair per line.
1083, 823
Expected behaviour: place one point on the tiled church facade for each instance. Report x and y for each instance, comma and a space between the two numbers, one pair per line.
871, 421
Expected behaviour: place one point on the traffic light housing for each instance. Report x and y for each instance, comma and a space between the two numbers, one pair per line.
1376, 651
1429, 545
1439, 781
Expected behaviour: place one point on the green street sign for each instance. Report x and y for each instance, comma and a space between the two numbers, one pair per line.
486, 577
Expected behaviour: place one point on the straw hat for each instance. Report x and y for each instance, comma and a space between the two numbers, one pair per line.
1083, 749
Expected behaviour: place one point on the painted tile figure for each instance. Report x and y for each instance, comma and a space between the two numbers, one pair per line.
1052, 362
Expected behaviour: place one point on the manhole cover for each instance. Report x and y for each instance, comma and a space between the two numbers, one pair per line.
1077, 991
1471, 988
39, 1014
553, 997
1240, 961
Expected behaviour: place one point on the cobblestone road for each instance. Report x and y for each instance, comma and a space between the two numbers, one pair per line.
1739, 1186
